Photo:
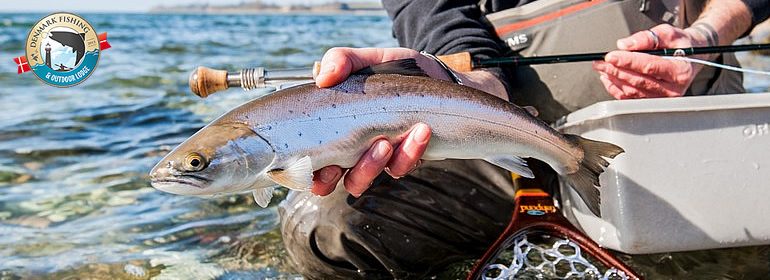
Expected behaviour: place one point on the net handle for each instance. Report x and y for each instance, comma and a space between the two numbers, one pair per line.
531, 197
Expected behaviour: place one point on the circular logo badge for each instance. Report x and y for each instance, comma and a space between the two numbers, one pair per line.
62, 49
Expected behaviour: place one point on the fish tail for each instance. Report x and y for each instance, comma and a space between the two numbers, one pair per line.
586, 179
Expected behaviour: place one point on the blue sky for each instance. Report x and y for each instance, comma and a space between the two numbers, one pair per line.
76, 6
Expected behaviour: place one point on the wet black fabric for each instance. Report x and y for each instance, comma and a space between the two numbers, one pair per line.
443, 212
760, 10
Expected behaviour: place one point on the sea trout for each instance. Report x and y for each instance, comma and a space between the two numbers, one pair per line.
281, 138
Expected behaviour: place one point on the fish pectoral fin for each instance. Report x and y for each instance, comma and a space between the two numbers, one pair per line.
512, 163
297, 175
263, 196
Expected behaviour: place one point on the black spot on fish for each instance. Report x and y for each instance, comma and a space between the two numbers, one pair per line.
286, 145
384, 109
398, 95
300, 134
269, 127
319, 142
354, 117
319, 119
336, 132
291, 111
422, 95
334, 105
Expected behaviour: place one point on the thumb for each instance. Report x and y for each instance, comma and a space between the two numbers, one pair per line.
336, 66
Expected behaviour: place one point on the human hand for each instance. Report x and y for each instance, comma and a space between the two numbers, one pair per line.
336, 65
629, 75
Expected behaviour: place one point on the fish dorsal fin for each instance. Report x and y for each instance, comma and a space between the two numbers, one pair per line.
263, 196
297, 175
512, 163
406, 67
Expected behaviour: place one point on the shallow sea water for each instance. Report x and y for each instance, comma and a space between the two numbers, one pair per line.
75, 202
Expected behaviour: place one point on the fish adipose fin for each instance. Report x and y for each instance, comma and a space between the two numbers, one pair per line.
586, 179
512, 163
531, 110
406, 67
263, 196
297, 175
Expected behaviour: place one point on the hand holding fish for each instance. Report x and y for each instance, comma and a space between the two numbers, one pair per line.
336, 65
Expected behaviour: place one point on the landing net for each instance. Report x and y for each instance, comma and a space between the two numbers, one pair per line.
562, 260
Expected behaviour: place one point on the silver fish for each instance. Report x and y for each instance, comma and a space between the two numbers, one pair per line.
280, 139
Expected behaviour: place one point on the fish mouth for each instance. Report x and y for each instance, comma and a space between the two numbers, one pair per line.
174, 182
180, 184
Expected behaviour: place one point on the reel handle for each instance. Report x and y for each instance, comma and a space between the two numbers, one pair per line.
205, 81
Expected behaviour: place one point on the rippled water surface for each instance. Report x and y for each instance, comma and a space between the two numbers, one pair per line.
75, 201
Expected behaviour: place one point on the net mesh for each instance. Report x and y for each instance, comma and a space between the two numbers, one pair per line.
562, 260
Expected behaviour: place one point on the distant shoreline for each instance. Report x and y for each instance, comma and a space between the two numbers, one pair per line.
257, 7
329, 13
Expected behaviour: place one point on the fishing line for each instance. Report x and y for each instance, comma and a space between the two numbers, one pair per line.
714, 64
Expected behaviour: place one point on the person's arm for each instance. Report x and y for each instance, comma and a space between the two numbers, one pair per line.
635, 75
444, 27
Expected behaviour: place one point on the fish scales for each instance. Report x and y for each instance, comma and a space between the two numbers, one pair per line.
364, 108
283, 137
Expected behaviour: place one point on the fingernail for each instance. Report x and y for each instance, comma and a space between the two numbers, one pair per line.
626, 43
421, 134
611, 58
328, 175
381, 149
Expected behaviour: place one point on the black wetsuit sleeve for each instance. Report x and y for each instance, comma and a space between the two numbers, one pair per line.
445, 27
760, 10
442, 27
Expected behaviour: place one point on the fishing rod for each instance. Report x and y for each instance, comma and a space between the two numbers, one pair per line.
524, 61
205, 81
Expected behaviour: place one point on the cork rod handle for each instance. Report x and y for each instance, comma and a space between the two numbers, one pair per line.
206, 81
460, 62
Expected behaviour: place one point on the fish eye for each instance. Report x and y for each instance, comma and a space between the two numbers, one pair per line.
194, 162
